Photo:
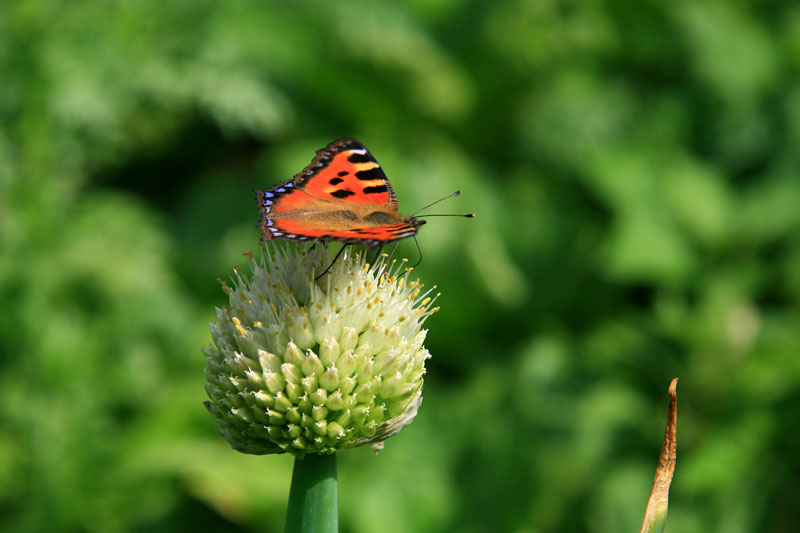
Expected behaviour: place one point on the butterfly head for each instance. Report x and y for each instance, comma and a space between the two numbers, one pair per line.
416, 222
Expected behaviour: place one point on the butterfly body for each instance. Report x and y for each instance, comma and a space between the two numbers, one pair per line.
342, 195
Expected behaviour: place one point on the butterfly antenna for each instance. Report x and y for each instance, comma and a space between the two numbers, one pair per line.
419, 250
437, 201
468, 215
332, 262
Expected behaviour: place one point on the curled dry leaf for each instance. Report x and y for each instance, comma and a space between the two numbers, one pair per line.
656, 513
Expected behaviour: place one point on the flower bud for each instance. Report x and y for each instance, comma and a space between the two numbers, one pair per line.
329, 352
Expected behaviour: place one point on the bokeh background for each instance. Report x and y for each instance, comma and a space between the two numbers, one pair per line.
635, 171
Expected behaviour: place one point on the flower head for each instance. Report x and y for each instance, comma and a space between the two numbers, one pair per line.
301, 365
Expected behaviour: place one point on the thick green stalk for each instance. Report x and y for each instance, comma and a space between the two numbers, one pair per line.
313, 501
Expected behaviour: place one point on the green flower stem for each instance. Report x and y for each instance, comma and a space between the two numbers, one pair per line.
313, 501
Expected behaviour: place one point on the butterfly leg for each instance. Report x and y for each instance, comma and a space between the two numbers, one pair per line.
394, 249
377, 255
332, 262
419, 250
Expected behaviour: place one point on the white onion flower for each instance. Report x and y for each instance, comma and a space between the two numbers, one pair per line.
305, 366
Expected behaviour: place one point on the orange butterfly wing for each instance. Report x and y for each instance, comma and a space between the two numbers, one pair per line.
342, 195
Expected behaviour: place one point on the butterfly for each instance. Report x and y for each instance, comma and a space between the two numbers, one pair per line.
342, 195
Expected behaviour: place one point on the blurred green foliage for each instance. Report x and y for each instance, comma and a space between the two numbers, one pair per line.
635, 171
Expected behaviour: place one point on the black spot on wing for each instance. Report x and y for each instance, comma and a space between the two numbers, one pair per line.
342, 193
376, 189
361, 158
343, 173
335, 181
375, 173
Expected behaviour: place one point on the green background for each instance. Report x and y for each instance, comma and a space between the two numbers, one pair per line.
635, 171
